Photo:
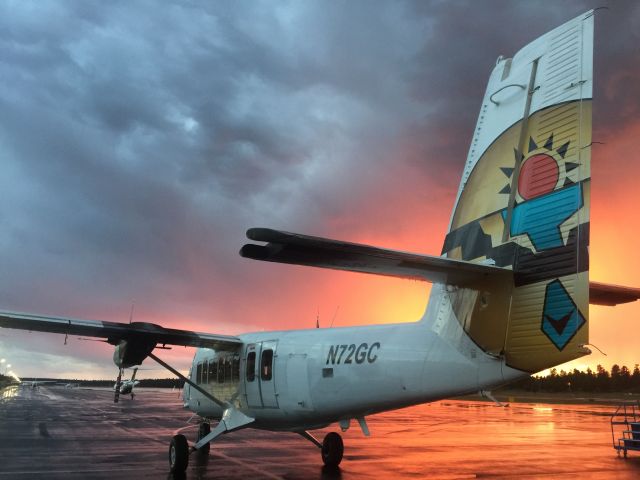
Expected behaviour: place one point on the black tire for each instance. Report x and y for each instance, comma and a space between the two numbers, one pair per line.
332, 450
203, 430
178, 454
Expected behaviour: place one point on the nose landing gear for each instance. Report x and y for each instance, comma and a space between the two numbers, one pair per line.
179, 449
178, 454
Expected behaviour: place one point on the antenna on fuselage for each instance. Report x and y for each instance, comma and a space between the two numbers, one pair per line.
318, 318
334, 316
133, 304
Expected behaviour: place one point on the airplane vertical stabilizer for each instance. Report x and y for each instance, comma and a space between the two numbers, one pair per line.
523, 203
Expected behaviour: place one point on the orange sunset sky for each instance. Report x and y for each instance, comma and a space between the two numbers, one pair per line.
139, 144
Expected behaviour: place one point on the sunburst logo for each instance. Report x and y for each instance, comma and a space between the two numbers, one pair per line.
542, 171
546, 194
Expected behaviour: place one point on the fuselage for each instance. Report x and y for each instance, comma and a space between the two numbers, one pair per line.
305, 379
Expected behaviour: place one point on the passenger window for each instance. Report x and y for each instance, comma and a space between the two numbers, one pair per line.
251, 366
221, 378
204, 371
213, 371
236, 368
227, 369
267, 361
199, 373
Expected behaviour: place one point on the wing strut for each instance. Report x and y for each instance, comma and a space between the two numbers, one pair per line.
232, 418
218, 402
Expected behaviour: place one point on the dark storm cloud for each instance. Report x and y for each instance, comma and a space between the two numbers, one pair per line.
477, 32
135, 130
139, 140
617, 71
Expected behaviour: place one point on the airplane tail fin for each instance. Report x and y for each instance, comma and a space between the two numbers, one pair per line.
523, 202
517, 261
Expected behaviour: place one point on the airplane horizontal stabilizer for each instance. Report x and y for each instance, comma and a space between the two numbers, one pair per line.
114, 331
293, 248
610, 295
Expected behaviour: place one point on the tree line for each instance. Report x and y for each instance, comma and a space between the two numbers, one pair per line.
6, 381
144, 382
619, 379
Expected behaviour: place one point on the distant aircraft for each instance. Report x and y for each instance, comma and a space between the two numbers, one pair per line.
35, 384
510, 292
123, 387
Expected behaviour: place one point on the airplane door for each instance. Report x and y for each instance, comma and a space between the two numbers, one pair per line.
251, 376
267, 374
259, 379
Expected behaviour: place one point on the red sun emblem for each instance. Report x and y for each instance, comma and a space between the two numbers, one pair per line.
538, 176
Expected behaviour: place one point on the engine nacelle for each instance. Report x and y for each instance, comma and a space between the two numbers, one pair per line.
132, 351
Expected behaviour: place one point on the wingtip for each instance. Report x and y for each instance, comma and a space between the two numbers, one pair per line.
252, 232
260, 234
268, 235
255, 252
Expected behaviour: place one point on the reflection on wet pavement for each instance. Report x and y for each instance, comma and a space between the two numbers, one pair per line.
8, 392
80, 433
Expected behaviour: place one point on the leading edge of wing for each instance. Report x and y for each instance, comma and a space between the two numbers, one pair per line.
114, 331
293, 248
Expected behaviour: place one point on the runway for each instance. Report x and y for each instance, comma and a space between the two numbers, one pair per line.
57, 433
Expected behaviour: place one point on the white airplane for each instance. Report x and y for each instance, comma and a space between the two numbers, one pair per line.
510, 292
123, 387
35, 384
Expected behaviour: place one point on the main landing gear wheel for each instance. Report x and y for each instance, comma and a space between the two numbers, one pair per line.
178, 454
203, 430
332, 449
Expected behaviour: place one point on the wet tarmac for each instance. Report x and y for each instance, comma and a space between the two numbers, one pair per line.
57, 433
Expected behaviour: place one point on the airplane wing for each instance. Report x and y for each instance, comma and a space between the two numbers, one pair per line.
293, 248
610, 295
114, 332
